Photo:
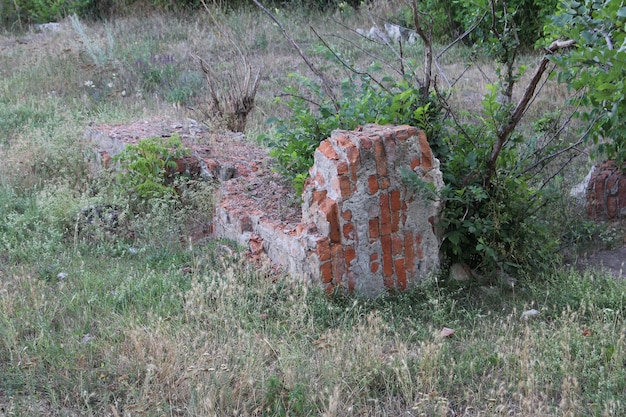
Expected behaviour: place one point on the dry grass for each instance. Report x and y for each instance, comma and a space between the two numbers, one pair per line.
152, 327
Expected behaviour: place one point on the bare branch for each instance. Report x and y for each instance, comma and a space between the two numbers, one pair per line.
462, 36
506, 130
428, 50
345, 64
325, 83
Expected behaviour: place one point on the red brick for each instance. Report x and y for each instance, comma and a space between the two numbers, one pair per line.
397, 244
338, 262
409, 253
385, 215
612, 207
352, 152
415, 162
326, 148
384, 183
419, 252
404, 208
348, 231
319, 179
326, 270
390, 148
106, 159
387, 256
400, 273
427, 153
396, 203
347, 215
342, 168
323, 249
345, 186
381, 158
354, 172
319, 196
374, 229
350, 254
386, 133
341, 141
353, 155
245, 224
330, 289
331, 213
374, 264
396, 206
404, 132
372, 182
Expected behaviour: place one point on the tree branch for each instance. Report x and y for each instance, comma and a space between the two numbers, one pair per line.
325, 83
345, 64
428, 50
505, 131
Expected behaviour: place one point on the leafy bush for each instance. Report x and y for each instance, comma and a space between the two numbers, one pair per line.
362, 101
42, 11
149, 167
16, 12
452, 18
595, 68
489, 225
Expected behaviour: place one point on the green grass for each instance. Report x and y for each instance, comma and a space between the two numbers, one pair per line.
139, 321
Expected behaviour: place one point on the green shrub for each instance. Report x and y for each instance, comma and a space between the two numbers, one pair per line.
489, 226
362, 101
42, 11
452, 18
595, 68
148, 168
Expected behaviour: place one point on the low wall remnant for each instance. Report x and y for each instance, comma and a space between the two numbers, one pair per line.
362, 228
359, 227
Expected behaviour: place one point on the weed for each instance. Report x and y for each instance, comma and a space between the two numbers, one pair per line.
149, 167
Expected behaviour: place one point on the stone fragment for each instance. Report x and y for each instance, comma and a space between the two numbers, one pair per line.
460, 272
528, 314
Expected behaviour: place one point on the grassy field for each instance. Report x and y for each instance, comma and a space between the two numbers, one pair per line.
144, 322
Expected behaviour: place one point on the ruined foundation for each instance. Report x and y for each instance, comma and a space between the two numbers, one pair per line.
361, 228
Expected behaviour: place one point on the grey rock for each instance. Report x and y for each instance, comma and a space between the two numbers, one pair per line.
530, 314
460, 272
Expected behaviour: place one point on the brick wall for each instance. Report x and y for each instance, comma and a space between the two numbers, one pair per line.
606, 193
376, 234
361, 228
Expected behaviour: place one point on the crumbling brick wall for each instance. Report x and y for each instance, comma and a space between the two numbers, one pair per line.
362, 228
377, 233
606, 193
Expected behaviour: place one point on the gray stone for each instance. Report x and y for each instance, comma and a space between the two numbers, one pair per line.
460, 272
